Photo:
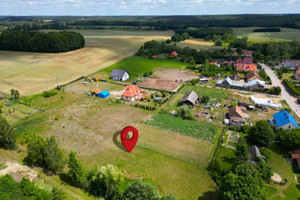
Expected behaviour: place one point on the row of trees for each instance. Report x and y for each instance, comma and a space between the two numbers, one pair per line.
10, 189
154, 48
277, 50
52, 42
184, 22
178, 37
107, 182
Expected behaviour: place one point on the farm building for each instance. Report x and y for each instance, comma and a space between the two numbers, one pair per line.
255, 85
189, 99
236, 116
103, 94
236, 77
265, 103
132, 93
246, 67
119, 75
292, 64
255, 154
227, 82
173, 54
284, 120
247, 53
296, 157
297, 74
252, 75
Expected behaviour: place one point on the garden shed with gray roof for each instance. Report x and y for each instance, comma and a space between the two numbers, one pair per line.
189, 99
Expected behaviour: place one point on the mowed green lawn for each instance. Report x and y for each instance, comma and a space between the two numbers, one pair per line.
206, 91
174, 161
137, 66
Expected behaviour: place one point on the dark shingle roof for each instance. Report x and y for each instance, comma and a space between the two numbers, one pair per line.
117, 73
191, 97
255, 153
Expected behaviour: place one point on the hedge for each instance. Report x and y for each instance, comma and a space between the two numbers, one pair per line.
291, 87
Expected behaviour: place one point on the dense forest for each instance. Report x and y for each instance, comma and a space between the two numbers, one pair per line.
52, 42
159, 22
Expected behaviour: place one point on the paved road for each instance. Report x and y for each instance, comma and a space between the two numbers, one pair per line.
292, 101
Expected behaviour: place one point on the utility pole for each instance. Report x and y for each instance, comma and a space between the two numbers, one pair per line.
58, 85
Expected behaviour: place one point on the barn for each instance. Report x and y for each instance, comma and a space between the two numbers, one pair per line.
103, 94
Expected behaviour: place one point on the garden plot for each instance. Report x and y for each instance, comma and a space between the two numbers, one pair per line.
168, 79
15, 112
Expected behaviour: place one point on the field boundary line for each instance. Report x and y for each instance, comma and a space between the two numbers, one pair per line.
218, 147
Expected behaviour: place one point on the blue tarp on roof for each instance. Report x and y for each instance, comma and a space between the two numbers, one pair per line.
103, 94
283, 118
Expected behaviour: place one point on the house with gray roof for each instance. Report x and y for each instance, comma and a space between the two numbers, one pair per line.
227, 82
255, 85
255, 154
189, 99
119, 75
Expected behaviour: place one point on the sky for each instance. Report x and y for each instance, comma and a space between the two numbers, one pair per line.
146, 7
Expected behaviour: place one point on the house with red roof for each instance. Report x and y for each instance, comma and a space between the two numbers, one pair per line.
247, 53
236, 116
246, 67
239, 61
297, 74
247, 60
132, 93
173, 54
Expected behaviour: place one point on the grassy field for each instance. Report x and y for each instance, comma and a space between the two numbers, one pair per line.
32, 73
285, 34
91, 126
137, 66
206, 91
198, 44
185, 127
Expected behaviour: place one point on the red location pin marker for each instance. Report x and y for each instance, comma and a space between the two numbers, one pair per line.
129, 144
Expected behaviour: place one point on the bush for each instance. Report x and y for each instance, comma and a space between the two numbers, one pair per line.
49, 93
265, 152
291, 87
7, 135
205, 99
186, 112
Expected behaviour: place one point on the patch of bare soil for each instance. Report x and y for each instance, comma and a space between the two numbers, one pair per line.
168, 79
18, 171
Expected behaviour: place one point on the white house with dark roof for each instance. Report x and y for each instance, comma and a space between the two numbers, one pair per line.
119, 75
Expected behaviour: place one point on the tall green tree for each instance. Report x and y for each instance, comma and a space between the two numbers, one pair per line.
75, 170
7, 135
244, 183
140, 190
53, 155
261, 133
290, 139
106, 181
36, 151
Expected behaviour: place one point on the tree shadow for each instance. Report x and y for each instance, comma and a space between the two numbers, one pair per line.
65, 179
210, 195
117, 143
